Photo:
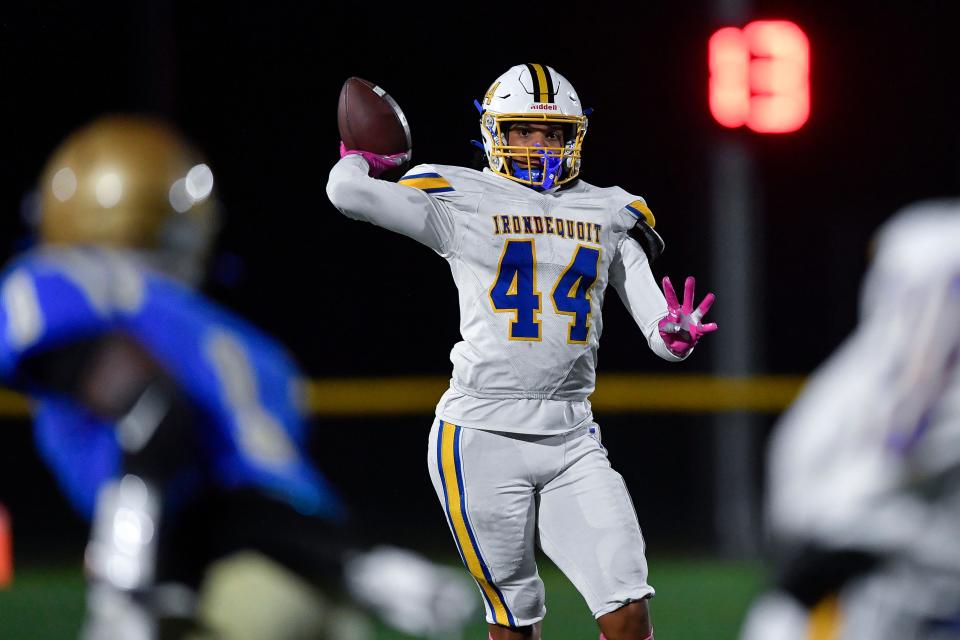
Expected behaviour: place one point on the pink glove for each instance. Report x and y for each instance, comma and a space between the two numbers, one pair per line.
378, 163
681, 327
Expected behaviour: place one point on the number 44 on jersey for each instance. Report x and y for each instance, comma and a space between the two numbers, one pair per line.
515, 290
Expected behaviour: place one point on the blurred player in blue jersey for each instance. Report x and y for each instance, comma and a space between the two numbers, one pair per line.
863, 470
515, 455
177, 427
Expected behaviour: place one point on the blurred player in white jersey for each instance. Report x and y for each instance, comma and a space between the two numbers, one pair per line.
864, 469
514, 455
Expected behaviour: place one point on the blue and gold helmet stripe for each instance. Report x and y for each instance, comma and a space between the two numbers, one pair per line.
542, 83
427, 182
451, 477
640, 209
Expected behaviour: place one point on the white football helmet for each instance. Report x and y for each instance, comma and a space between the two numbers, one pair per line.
532, 93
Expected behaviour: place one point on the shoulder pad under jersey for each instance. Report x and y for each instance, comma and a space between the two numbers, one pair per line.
643, 227
624, 207
445, 182
639, 221
640, 211
426, 178
633, 208
649, 239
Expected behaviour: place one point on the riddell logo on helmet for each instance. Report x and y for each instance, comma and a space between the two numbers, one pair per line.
544, 106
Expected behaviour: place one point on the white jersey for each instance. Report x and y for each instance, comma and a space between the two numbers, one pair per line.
881, 418
868, 458
531, 269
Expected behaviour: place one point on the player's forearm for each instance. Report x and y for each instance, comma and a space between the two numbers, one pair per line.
385, 204
356, 194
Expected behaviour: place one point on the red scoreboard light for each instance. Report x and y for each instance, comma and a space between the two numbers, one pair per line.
760, 76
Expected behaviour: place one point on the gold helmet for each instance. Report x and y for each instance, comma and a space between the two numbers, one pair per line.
135, 183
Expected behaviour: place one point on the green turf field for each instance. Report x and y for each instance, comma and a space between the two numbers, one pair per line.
696, 599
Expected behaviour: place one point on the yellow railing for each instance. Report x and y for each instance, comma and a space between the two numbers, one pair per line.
616, 393
12, 404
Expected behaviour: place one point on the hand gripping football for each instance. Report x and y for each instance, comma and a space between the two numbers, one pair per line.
370, 120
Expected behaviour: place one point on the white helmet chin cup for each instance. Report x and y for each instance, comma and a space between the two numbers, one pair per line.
531, 93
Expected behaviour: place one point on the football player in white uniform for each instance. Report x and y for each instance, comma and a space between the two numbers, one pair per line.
514, 455
864, 490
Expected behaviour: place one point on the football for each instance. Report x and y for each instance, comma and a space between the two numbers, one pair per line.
370, 120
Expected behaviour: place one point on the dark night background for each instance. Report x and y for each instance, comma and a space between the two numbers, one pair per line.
256, 87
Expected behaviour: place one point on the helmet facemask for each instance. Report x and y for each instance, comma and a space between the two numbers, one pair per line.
538, 167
